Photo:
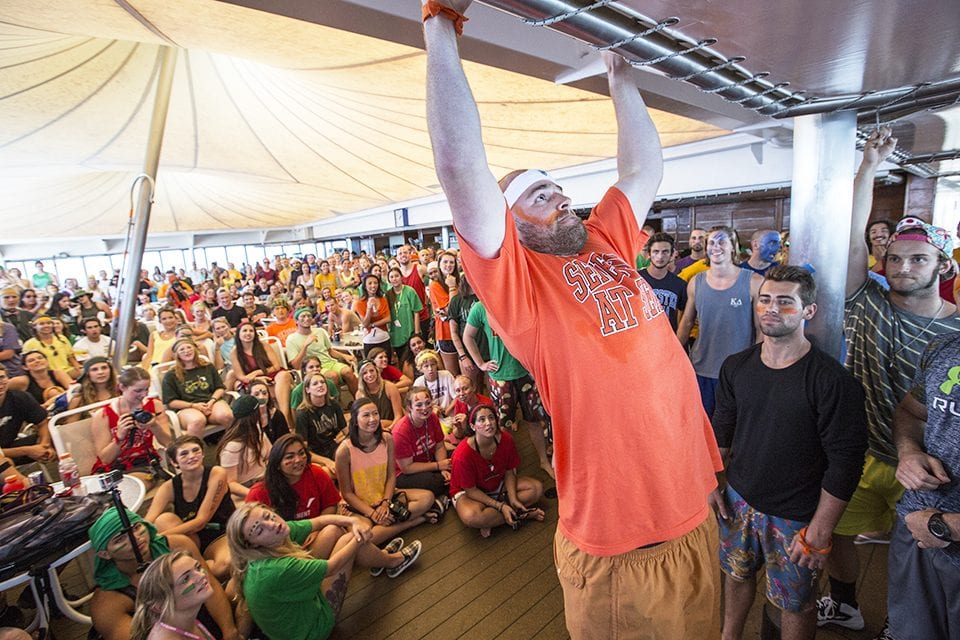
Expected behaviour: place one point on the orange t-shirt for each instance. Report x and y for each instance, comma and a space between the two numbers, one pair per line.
282, 330
439, 299
382, 311
634, 451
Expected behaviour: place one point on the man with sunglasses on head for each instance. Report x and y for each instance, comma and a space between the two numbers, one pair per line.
886, 332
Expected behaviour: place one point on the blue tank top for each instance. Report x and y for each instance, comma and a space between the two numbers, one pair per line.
726, 323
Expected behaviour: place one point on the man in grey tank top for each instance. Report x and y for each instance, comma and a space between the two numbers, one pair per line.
722, 298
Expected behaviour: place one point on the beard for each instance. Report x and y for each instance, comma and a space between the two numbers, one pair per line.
913, 288
558, 241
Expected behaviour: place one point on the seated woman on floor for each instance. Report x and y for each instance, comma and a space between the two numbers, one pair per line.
169, 597
294, 487
312, 364
194, 390
124, 430
269, 417
368, 484
382, 392
484, 484
467, 398
320, 422
201, 503
245, 447
290, 593
250, 361
389, 372
422, 461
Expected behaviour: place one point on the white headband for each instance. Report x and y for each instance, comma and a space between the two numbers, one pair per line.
523, 182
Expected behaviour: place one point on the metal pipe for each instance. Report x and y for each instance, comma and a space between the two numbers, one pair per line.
940, 156
823, 151
127, 298
692, 62
932, 94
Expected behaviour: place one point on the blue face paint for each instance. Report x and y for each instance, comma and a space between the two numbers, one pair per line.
769, 246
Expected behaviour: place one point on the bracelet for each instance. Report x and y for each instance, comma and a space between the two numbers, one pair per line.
438, 465
807, 549
433, 9
464, 355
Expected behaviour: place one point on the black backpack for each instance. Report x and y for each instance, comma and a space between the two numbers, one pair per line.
35, 525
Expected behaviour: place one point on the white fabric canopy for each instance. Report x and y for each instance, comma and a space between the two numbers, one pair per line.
273, 122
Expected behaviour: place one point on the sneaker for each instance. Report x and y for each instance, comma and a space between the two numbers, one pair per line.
410, 555
829, 611
395, 545
884, 633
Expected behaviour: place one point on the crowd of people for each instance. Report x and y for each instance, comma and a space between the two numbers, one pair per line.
771, 454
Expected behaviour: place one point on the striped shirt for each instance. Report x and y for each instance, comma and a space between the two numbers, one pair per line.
884, 345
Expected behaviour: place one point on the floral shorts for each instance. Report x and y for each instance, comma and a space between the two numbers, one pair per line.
751, 540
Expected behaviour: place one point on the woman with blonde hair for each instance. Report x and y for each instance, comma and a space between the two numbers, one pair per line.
288, 592
382, 393
169, 596
194, 390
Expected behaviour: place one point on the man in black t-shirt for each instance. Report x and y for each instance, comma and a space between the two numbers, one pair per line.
791, 425
228, 309
671, 291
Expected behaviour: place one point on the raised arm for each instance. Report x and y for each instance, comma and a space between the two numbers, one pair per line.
476, 202
639, 156
878, 146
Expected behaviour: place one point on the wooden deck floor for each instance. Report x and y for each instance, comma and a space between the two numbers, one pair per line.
505, 586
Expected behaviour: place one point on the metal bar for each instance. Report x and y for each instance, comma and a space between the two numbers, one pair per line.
940, 156
823, 151
127, 298
668, 52
945, 91
569, 14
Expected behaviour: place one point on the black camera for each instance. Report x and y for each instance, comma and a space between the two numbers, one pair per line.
142, 416
398, 507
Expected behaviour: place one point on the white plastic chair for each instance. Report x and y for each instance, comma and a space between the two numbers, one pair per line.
75, 438
156, 377
278, 349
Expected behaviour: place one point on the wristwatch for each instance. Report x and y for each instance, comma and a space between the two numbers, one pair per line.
938, 527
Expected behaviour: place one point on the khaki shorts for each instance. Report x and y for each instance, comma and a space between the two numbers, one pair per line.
667, 592
873, 505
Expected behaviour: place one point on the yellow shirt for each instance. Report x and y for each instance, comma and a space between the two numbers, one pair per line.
325, 280
697, 267
58, 352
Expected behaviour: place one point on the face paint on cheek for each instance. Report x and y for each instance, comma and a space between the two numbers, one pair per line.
190, 587
789, 311
523, 215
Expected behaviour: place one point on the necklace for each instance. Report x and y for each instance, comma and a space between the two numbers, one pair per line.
186, 634
922, 331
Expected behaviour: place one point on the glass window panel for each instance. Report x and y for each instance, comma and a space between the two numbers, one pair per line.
237, 255
94, 264
200, 257
151, 261
69, 268
172, 259
218, 255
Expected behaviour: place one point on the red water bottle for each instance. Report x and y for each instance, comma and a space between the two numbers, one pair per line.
12, 483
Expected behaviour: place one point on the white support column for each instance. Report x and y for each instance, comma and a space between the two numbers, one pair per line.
128, 288
821, 202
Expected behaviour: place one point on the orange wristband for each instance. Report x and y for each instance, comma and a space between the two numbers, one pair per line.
807, 549
433, 9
